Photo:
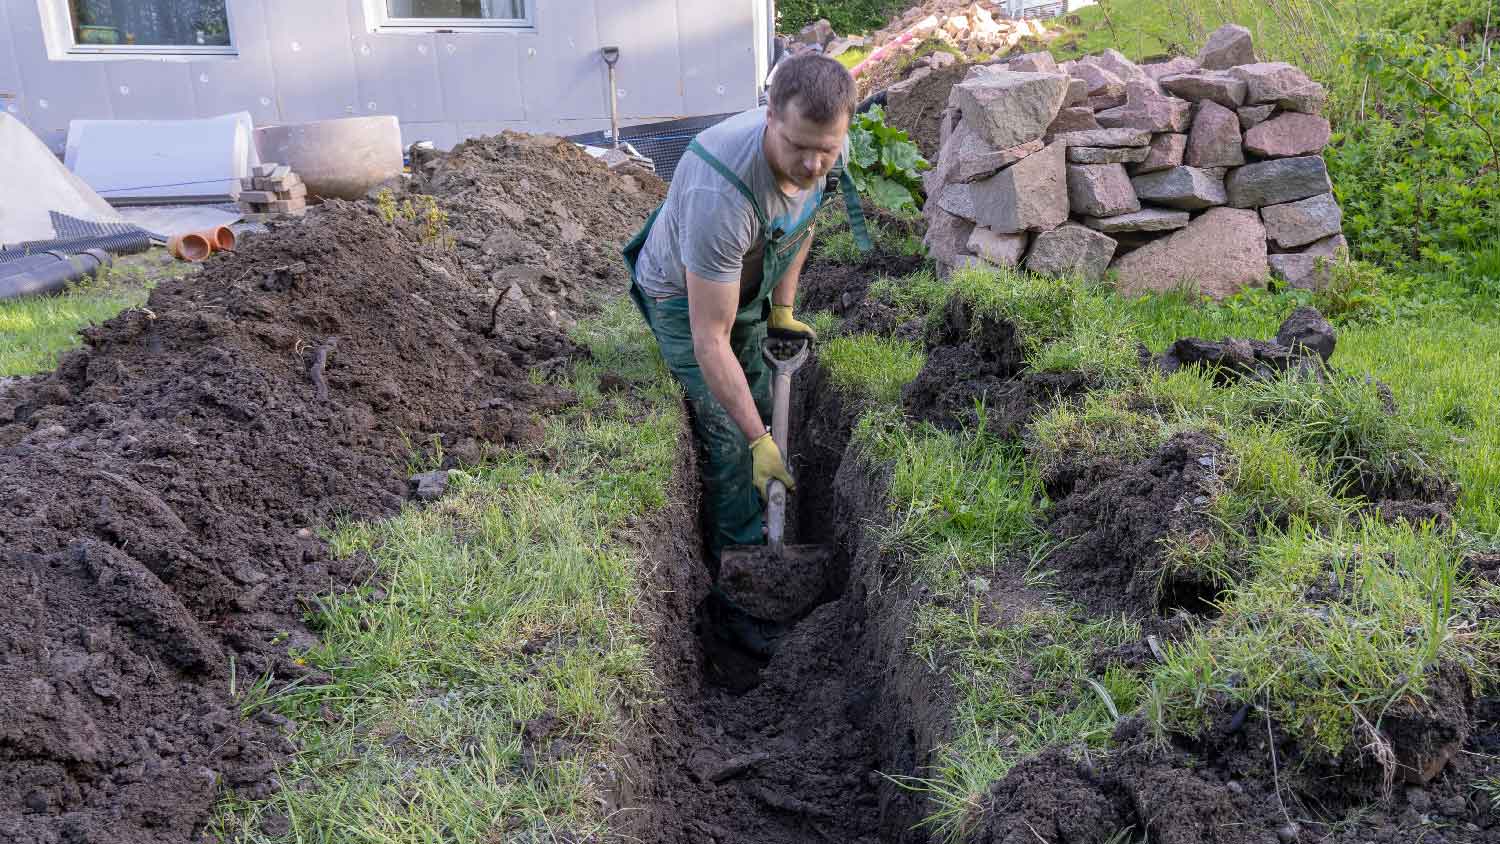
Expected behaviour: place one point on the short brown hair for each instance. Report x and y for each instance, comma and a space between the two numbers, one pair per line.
821, 86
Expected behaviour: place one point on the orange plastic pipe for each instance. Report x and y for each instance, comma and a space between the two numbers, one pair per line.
192, 247
222, 238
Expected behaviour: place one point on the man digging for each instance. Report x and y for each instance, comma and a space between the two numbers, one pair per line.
715, 269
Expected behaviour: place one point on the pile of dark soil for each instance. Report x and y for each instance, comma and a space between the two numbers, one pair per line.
974, 360
161, 487
919, 109
540, 218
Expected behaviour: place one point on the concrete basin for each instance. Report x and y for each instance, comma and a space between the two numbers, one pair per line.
341, 158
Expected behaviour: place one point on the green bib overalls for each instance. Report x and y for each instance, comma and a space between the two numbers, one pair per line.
734, 507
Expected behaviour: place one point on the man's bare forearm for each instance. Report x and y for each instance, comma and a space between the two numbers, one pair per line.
786, 289
726, 380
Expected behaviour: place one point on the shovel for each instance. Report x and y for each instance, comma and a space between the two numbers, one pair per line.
776, 582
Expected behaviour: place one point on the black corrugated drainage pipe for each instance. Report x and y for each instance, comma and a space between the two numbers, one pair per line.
48, 272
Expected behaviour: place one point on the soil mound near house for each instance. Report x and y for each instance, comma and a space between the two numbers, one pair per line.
161, 485
918, 108
539, 213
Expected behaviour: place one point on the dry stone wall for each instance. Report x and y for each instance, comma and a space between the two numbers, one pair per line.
1203, 171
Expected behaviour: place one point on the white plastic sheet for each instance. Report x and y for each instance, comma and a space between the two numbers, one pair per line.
33, 183
145, 161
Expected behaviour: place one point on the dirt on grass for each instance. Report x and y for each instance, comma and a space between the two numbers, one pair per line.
163, 487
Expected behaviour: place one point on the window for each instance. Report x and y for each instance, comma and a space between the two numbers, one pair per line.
150, 26
457, 14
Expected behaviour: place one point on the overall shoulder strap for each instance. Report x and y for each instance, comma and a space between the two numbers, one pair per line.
730, 177
853, 208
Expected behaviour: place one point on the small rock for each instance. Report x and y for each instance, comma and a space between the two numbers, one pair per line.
1234, 785
429, 486
1104, 138
1001, 249
1218, 87
1305, 221
1034, 63
819, 32
1144, 220
1307, 329
1302, 271
1282, 84
1252, 116
1101, 83
1288, 833
1417, 799
1174, 67
1107, 155
1229, 45
1076, 119
946, 235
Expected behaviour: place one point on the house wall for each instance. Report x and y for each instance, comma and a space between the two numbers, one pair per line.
300, 60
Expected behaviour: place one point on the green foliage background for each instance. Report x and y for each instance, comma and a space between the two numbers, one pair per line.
847, 16
884, 163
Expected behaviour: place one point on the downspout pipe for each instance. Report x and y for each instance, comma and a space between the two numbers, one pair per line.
48, 272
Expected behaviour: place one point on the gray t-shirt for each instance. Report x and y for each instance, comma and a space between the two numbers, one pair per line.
708, 226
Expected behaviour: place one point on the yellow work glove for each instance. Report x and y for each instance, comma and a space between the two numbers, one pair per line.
785, 326
767, 464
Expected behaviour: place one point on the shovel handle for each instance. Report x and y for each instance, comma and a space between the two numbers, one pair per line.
776, 516
781, 402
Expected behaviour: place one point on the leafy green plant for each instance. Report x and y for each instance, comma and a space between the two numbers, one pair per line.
847, 16
1418, 172
884, 162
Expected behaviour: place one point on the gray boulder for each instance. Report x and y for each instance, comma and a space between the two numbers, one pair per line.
1227, 46
1182, 187
947, 234
1005, 250
1165, 152
1034, 63
1218, 86
1277, 181
1080, 119
1144, 220
1030, 195
1288, 135
1306, 328
1218, 254
1172, 67
1301, 270
1280, 83
1215, 140
1104, 138
1071, 249
1149, 111
1100, 190
1009, 108
1305, 221
1251, 116
1107, 155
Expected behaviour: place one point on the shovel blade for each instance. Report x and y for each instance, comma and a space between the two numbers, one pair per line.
775, 587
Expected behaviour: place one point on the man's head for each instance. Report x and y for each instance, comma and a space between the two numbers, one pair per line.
812, 100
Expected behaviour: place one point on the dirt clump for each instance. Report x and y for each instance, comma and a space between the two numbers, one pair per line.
1115, 516
161, 488
973, 361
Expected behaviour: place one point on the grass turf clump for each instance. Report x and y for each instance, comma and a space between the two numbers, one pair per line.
1064, 324
959, 502
865, 367
504, 625
1337, 630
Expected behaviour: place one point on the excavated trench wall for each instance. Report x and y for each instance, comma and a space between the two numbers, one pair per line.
888, 697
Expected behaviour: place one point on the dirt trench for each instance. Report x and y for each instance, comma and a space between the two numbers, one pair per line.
796, 746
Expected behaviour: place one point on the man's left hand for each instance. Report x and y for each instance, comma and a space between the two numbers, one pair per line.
783, 325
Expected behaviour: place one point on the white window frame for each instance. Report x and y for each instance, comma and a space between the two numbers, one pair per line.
57, 14
379, 13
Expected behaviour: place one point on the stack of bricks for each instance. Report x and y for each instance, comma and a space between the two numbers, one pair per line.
274, 191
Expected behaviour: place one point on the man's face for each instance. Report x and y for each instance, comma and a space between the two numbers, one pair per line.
800, 150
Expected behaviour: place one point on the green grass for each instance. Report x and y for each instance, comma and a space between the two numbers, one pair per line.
512, 601
1280, 528
1331, 668
38, 329
865, 367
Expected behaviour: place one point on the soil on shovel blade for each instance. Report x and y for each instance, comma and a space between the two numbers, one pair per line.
161, 488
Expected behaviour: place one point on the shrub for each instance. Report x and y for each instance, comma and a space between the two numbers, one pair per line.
847, 16
884, 162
